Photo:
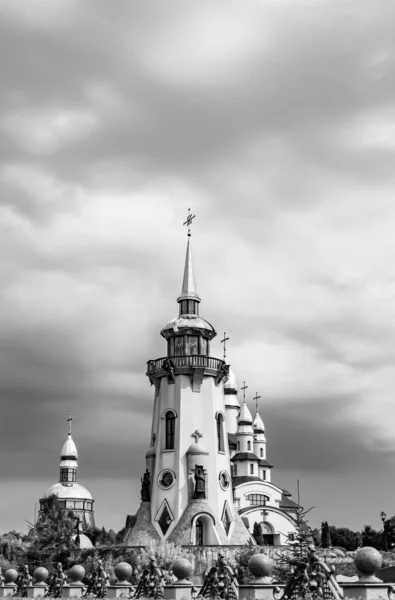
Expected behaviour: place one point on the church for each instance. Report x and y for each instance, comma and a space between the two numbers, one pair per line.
70, 494
207, 479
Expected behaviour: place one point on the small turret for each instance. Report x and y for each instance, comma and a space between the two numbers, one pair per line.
232, 404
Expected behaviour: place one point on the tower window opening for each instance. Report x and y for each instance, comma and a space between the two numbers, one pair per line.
199, 533
261, 452
248, 445
234, 470
170, 430
251, 468
257, 499
220, 433
264, 474
238, 446
67, 475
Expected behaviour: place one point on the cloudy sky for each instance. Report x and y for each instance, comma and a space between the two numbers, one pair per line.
274, 121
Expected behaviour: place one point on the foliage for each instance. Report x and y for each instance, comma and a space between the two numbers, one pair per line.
325, 535
345, 538
371, 537
257, 534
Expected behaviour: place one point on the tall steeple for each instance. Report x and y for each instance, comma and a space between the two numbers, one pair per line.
188, 291
68, 459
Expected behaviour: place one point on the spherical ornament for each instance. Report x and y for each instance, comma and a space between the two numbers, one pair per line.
10, 576
367, 561
260, 566
123, 572
182, 569
76, 573
40, 575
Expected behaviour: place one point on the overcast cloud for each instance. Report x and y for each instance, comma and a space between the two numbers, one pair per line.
275, 122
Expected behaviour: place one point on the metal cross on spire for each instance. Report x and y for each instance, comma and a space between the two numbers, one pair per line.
69, 422
224, 343
189, 220
256, 398
244, 388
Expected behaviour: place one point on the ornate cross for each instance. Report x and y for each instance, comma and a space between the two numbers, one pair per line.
189, 220
226, 339
196, 434
256, 398
244, 388
69, 422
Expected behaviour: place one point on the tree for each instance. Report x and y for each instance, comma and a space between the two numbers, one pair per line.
257, 534
325, 535
371, 537
345, 538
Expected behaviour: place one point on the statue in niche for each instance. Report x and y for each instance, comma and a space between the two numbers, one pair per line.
200, 483
145, 495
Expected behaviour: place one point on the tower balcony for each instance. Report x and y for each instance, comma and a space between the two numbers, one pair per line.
195, 365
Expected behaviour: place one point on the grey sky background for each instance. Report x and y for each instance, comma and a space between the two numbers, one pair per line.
275, 122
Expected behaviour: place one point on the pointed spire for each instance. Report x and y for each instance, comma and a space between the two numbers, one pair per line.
245, 415
188, 291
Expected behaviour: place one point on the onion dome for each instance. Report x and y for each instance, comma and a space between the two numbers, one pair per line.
258, 424
150, 452
245, 417
73, 490
83, 541
231, 388
188, 322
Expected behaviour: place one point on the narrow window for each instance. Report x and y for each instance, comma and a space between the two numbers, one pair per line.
199, 533
170, 430
234, 470
251, 468
264, 474
238, 446
248, 446
220, 433
261, 451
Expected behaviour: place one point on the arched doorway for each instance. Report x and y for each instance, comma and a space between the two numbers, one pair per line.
267, 534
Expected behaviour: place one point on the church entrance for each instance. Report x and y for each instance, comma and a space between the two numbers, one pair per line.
267, 534
268, 540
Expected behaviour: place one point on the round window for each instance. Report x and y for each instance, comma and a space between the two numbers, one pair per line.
224, 480
166, 479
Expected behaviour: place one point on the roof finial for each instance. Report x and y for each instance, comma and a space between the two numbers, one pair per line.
244, 388
256, 398
69, 422
189, 220
224, 343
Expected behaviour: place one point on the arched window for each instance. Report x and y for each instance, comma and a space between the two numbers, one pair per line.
249, 446
170, 421
199, 533
251, 468
261, 452
220, 432
257, 499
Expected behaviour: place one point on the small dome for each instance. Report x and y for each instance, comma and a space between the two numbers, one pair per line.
245, 415
197, 448
74, 490
150, 452
188, 322
69, 449
258, 424
84, 541
231, 384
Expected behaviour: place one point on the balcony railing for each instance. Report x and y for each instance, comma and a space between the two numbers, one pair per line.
194, 360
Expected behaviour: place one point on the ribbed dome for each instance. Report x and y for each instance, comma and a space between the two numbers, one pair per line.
245, 415
74, 490
231, 384
258, 424
69, 449
197, 448
188, 322
150, 452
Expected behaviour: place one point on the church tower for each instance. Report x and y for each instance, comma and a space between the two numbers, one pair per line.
187, 495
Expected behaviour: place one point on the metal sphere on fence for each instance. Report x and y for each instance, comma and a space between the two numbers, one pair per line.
76, 573
367, 562
123, 572
261, 566
40, 575
182, 569
10, 576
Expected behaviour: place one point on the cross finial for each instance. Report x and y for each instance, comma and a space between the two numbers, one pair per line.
224, 343
189, 220
244, 388
196, 434
69, 422
256, 398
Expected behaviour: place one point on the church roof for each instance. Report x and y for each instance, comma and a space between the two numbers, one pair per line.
69, 450
263, 463
244, 456
288, 503
245, 479
245, 417
74, 490
188, 322
188, 290
258, 424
